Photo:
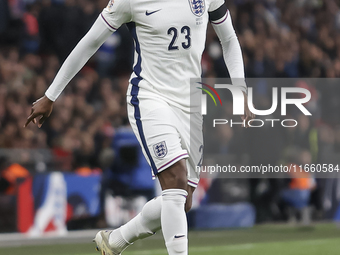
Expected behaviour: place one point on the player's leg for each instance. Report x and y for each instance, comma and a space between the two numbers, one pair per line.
145, 224
148, 221
173, 218
179, 181
158, 125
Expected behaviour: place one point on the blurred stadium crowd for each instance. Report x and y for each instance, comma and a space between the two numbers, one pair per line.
279, 39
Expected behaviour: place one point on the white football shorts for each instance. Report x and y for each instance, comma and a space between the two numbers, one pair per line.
167, 134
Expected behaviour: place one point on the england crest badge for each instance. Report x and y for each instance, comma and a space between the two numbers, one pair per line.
160, 149
197, 7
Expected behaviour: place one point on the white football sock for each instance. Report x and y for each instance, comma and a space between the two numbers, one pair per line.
174, 221
145, 224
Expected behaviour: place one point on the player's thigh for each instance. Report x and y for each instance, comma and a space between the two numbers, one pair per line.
156, 128
174, 177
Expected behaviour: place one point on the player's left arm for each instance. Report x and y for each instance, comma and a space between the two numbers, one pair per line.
232, 54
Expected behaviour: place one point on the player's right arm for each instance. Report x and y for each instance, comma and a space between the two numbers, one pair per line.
113, 16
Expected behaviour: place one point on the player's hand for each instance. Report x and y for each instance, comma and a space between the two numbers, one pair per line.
248, 115
41, 110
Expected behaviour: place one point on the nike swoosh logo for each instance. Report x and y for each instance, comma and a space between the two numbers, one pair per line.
179, 236
149, 13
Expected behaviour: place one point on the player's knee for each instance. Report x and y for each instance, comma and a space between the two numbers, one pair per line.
175, 181
179, 181
175, 177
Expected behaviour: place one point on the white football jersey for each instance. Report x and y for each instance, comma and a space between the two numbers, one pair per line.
169, 41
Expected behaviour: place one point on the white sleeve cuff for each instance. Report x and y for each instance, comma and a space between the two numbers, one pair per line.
50, 96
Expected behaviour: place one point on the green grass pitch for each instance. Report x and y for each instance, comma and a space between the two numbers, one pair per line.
322, 239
